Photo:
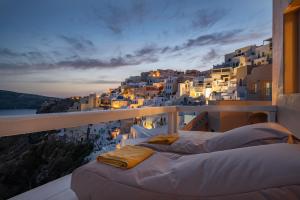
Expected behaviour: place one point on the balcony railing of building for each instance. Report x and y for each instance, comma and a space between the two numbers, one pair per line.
16, 125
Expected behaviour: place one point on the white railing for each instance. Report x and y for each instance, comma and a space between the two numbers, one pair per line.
16, 125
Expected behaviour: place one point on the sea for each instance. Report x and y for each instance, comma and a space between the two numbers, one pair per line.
17, 112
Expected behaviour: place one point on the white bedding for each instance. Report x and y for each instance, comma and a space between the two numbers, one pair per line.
260, 172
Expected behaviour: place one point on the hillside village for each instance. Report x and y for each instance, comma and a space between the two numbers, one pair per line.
245, 74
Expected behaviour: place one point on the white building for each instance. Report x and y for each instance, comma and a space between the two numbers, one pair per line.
263, 53
170, 85
137, 102
184, 88
159, 100
250, 55
197, 88
91, 102
240, 57
137, 84
221, 84
196, 91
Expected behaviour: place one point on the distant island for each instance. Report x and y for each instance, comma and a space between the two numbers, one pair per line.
15, 100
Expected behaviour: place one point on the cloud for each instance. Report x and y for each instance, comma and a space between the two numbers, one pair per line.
205, 18
211, 55
219, 38
216, 38
97, 63
12, 69
143, 55
128, 60
147, 50
79, 44
81, 64
5, 52
117, 18
31, 56
34, 55
114, 18
102, 82
78, 81
146, 54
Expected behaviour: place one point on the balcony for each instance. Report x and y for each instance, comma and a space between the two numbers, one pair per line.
285, 96
60, 188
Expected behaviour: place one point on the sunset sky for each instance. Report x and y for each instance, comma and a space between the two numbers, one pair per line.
75, 47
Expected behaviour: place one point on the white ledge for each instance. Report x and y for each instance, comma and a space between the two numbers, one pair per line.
59, 189
16, 125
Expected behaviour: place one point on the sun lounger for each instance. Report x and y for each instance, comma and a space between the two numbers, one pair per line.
258, 172
188, 143
251, 135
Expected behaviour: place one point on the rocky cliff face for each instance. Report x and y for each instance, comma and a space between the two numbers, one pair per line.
30, 160
55, 106
15, 100
27, 161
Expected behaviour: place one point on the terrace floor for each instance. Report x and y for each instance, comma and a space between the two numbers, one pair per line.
58, 189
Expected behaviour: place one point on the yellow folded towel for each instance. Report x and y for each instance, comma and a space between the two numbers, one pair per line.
164, 139
127, 157
290, 139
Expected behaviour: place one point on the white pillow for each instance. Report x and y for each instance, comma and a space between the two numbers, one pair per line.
250, 135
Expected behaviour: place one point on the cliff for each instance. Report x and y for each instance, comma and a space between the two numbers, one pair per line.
15, 100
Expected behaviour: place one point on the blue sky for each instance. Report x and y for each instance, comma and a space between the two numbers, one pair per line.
74, 47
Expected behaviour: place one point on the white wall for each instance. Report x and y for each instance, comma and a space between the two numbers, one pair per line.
288, 105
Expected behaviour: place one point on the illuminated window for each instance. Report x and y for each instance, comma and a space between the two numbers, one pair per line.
291, 48
268, 89
255, 88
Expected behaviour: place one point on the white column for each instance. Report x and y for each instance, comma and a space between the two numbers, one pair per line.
170, 123
272, 117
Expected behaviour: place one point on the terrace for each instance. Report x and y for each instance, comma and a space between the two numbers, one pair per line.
284, 109
60, 188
